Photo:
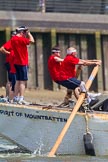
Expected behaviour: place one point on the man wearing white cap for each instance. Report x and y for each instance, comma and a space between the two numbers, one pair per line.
19, 45
54, 63
67, 77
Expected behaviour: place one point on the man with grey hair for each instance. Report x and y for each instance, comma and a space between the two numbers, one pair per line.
67, 71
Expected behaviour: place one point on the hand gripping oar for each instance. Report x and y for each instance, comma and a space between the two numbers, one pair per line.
73, 113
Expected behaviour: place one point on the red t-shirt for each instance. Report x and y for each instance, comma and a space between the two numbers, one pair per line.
12, 67
54, 68
10, 57
68, 69
8, 47
19, 45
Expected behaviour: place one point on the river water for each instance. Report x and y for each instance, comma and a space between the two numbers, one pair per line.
10, 152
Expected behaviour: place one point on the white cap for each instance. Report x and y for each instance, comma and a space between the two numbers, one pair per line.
71, 50
55, 49
21, 28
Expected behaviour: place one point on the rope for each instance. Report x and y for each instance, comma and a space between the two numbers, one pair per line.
86, 119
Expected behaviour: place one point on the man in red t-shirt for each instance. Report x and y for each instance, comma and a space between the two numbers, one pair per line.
54, 63
19, 45
9, 63
67, 72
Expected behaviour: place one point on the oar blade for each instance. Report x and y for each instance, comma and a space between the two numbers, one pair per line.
88, 144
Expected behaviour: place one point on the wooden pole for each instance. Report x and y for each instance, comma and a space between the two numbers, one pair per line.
99, 57
73, 113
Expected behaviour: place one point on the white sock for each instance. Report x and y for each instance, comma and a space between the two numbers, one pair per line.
82, 87
89, 99
21, 98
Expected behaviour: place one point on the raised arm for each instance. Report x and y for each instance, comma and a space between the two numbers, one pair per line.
29, 35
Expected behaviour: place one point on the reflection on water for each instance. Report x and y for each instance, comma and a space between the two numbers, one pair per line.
10, 152
6, 145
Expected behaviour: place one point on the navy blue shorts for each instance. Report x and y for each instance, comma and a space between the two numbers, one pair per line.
12, 79
21, 72
7, 66
70, 83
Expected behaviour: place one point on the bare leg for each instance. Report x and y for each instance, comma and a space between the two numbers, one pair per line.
77, 92
8, 85
22, 87
11, 95
17, 89
68, 96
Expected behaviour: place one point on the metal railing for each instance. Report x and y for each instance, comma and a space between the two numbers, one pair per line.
77, 6
62, 6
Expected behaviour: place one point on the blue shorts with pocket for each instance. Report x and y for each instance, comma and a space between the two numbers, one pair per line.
21, 72
70, 83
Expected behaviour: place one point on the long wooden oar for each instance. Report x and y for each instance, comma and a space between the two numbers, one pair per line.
73, 113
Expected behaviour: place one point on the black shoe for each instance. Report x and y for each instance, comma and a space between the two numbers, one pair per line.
1, 96
93, 102
63, 104
71, 103
81, 109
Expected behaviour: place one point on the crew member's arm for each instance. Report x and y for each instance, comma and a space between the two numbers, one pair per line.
89, 62
58, 59
4, 51
29, 35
